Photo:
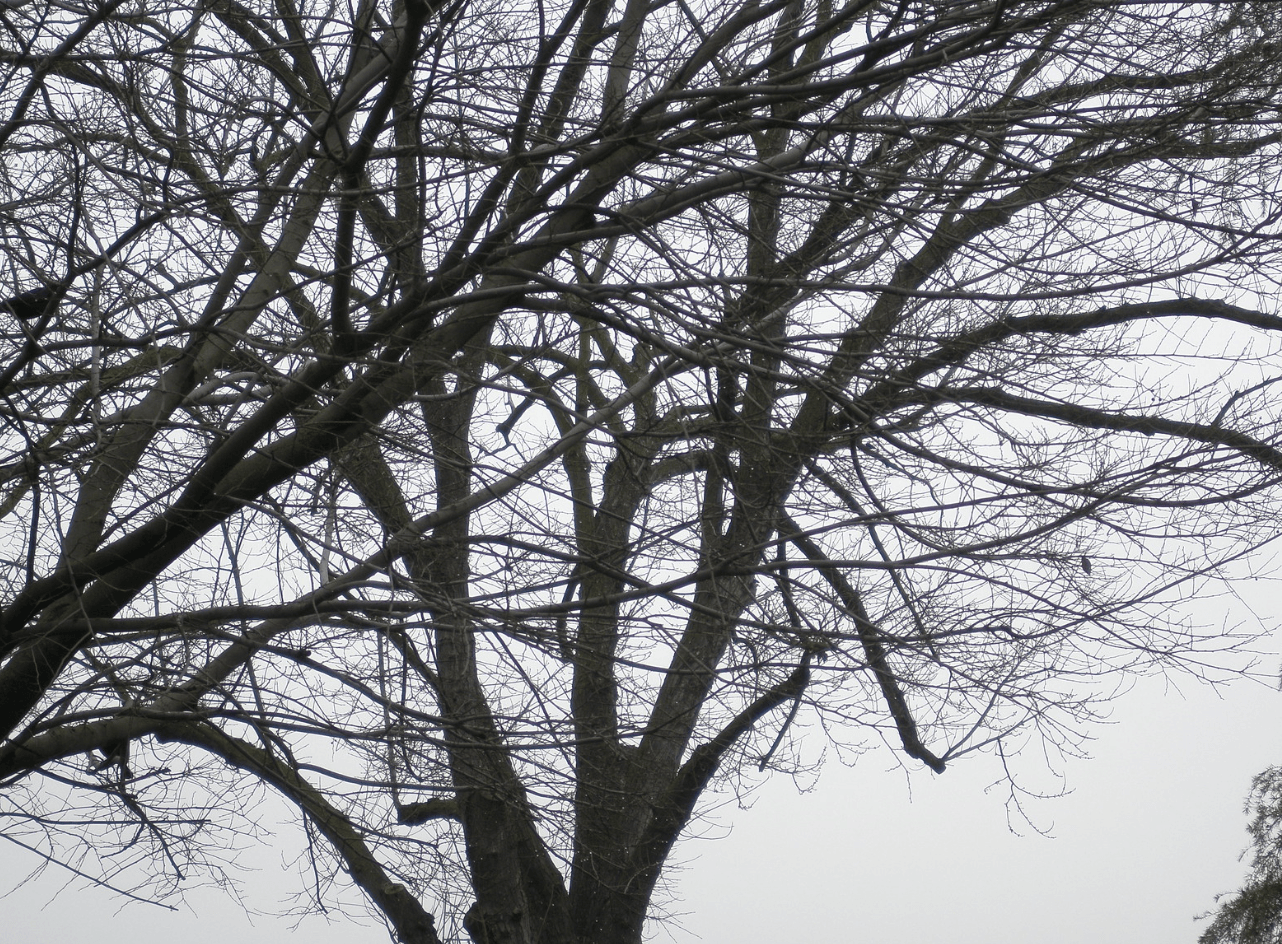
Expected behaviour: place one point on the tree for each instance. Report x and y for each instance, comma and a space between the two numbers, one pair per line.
491, 426
1253, 915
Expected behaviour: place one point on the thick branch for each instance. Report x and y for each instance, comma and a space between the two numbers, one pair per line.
1089, 417
672, 812
874, 650
413, 923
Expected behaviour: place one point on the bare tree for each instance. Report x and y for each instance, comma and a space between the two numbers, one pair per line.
487, 425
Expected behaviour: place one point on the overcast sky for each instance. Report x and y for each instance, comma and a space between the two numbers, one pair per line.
1152, 830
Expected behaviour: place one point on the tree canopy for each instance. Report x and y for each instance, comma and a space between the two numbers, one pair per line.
491, 425
1253, 915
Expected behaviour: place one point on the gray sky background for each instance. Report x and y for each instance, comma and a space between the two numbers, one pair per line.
1150, 833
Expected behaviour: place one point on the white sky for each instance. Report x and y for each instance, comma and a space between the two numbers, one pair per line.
1152, 830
